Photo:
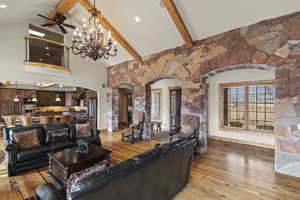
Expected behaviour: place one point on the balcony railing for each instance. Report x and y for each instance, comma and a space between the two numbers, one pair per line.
46, 53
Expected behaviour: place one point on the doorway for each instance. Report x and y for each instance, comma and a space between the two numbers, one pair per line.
165, 105
175, 108
125, 108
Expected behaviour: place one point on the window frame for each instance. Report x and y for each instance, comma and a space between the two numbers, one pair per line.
246, 84
157, 90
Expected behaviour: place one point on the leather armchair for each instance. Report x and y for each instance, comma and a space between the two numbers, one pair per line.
134, 132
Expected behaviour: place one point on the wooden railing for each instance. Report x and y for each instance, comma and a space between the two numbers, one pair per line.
46, 53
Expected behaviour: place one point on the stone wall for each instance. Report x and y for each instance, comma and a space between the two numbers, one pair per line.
271, 44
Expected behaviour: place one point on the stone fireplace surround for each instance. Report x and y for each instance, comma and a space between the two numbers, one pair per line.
268, 45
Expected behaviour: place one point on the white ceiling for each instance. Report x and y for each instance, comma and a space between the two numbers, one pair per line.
19, 10
156, 31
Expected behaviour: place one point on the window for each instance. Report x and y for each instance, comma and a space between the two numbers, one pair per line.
156, 104
248, 106
47, 47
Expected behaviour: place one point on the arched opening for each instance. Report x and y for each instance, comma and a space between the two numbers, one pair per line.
240, 107
122, 107
34, 100
163, 106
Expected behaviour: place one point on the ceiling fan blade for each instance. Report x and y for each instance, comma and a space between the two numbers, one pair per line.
69, 26
51, 24
62, 29
45, 17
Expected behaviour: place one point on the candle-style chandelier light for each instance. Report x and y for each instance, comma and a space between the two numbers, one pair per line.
89, 41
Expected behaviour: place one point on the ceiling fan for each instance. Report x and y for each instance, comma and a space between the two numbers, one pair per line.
58, 20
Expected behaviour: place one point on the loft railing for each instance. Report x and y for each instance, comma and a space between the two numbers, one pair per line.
46, 53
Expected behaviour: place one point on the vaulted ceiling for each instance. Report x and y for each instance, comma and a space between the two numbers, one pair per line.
156, 30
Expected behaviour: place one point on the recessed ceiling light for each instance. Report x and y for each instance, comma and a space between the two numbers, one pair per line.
137, 18
162, 4
3, 6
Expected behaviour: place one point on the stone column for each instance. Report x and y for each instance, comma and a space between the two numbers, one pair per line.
140, 108
287, 127
113, 109
203, 119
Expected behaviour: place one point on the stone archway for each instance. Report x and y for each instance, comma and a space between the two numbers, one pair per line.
273, 42
203, 126
148, 100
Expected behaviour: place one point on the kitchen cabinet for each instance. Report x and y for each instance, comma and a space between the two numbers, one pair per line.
47, 98
7, 106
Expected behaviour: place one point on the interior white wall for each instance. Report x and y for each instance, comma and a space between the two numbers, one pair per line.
165, 102
84, 74
213, 99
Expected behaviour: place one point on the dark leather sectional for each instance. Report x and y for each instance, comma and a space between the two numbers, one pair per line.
158, 174
22, 160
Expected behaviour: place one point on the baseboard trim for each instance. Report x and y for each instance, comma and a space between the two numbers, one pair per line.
267, 146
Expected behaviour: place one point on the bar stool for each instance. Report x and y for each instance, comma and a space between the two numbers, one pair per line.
26, 120
10, 121
46, 119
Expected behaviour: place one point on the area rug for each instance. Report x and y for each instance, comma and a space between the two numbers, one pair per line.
162, 136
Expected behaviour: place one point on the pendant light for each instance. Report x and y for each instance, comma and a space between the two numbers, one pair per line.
16, 99
57, 95
34, 99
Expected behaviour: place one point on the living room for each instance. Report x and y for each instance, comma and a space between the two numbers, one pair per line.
161, 99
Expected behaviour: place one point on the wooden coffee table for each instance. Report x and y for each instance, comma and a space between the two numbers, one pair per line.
64, 163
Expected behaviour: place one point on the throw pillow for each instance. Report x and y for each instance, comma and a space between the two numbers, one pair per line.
83, 130
26, 139
58, 135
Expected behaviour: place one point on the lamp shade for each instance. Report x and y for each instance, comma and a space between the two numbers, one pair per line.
16, 99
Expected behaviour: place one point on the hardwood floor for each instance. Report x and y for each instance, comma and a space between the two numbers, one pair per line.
227, 171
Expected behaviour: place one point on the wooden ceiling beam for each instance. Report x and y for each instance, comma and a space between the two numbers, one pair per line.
62, 8
105, 24
177, 19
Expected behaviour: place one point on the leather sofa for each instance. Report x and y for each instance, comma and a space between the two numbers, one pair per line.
159, 173
19, 160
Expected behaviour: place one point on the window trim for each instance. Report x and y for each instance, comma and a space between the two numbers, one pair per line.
221, 106
159, 90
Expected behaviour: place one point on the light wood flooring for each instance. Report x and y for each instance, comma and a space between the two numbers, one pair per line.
226, 171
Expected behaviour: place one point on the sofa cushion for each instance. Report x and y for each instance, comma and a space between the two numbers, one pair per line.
83, 130
81, 174
91, 140
35, 153
27, 139
58, 135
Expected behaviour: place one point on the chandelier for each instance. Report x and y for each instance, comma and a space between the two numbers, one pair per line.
90, 42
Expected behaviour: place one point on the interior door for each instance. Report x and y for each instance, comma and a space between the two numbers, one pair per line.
175, 108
